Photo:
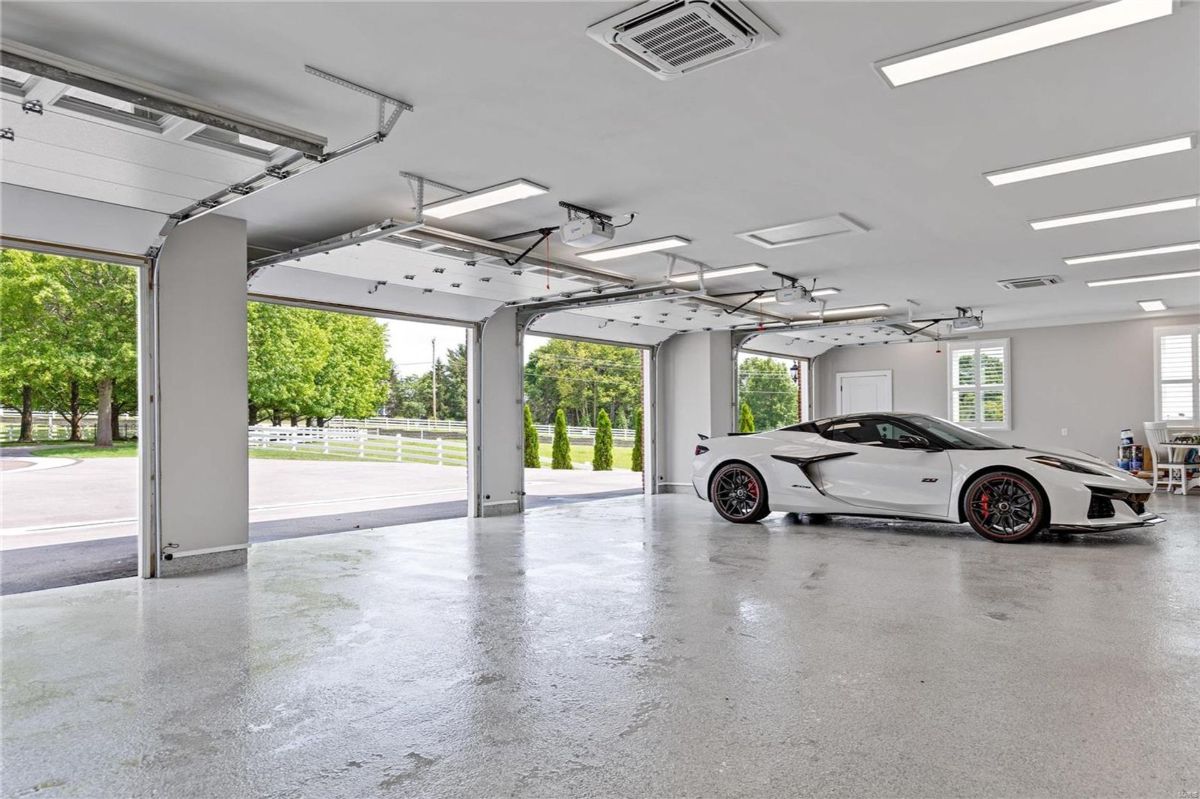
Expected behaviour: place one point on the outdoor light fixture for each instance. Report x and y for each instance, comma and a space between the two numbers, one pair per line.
637, 248
1022, 37
727, 271
855, 309
1121, 255
1076, 163
1117, 213
1120, 281
1152, 305
484, 198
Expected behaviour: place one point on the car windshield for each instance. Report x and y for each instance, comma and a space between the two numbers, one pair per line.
953, 435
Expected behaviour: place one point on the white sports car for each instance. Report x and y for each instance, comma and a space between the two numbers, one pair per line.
912, 466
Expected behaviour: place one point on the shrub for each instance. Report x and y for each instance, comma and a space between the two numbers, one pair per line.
637, 442
533, 459
602, 454
746, 419
561, 458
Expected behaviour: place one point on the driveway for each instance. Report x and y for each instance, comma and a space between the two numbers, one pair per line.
59, 500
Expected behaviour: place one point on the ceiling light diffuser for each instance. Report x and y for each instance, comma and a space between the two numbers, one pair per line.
726, 271
1018, 38
1152, 305
1121, 255
484, 198
1120, 281
1117, 213
855, 309
637, 248
1076, 163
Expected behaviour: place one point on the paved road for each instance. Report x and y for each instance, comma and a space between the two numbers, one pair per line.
86, 500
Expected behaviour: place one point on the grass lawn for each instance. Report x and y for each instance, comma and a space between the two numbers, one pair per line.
79, 449
582, 453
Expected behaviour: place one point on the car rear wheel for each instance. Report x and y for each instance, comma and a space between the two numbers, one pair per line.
739, 494
1005, 506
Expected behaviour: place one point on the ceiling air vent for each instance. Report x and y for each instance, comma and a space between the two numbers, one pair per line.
674, 38
1028, 282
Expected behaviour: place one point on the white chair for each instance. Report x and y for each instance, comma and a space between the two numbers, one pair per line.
1161, 459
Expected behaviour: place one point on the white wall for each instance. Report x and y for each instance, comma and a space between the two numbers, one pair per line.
695, 395
203, 472
496, 426
1092, 379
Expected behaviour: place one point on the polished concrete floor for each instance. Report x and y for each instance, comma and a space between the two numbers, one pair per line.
623, 648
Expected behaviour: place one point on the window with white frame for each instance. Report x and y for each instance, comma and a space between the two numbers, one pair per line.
979, 384
1177, 374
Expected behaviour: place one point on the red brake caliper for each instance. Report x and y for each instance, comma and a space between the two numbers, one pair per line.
752, 488
984, 504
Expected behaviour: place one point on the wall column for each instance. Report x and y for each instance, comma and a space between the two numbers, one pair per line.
695, 388
496, 426
198, 296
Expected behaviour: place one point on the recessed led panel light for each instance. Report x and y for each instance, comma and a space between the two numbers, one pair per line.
484, 198
854, 309
637, 248
726, 271
1117, 213
1121, 255
1121, 281
802, 232
1076, 163
1021, 37
1152, 305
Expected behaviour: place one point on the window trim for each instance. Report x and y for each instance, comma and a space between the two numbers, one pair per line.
976, 345
1156, 386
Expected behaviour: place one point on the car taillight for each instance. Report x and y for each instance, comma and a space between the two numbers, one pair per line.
701, 449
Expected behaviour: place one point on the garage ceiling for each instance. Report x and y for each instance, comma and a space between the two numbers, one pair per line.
802, 129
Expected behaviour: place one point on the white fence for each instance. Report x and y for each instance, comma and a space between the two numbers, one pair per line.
359, 444
453, 426
49, 426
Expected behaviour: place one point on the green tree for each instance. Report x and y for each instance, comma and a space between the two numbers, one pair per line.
621, 421
581, 378
353, 380
69, 338
408, 396
766, 385
746, 419
287, 348
602, 454
561, 454
533, 458
636, 455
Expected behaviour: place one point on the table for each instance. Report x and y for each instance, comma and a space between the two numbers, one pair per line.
1179, 451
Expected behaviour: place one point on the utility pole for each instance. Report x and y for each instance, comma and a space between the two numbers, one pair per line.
433, 371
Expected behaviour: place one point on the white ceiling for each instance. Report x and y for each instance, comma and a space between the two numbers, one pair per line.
804, 128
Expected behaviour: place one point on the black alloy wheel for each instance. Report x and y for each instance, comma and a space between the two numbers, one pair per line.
739, 494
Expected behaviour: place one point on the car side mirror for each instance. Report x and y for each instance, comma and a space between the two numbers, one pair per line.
915, 442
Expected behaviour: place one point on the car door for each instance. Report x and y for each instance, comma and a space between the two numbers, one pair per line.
884, 471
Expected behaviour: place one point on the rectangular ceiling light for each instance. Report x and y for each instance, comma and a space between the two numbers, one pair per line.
1121, 281
637, 248
826, 292
1117, 213
855, 309
726, 271
801, 232
484, 198
1018, 38
1152, 305
1121, 255
1076, 163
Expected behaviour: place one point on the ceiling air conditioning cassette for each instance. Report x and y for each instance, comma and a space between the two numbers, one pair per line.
1012, 283
674, 38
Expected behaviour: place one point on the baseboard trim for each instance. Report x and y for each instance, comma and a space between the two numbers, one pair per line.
194, 562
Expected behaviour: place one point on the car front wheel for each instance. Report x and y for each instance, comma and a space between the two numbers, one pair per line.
739, 494
1005, 506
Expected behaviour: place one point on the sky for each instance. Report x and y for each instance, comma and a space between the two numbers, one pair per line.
409, 344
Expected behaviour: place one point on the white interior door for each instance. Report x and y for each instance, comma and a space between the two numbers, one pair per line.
864, 392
